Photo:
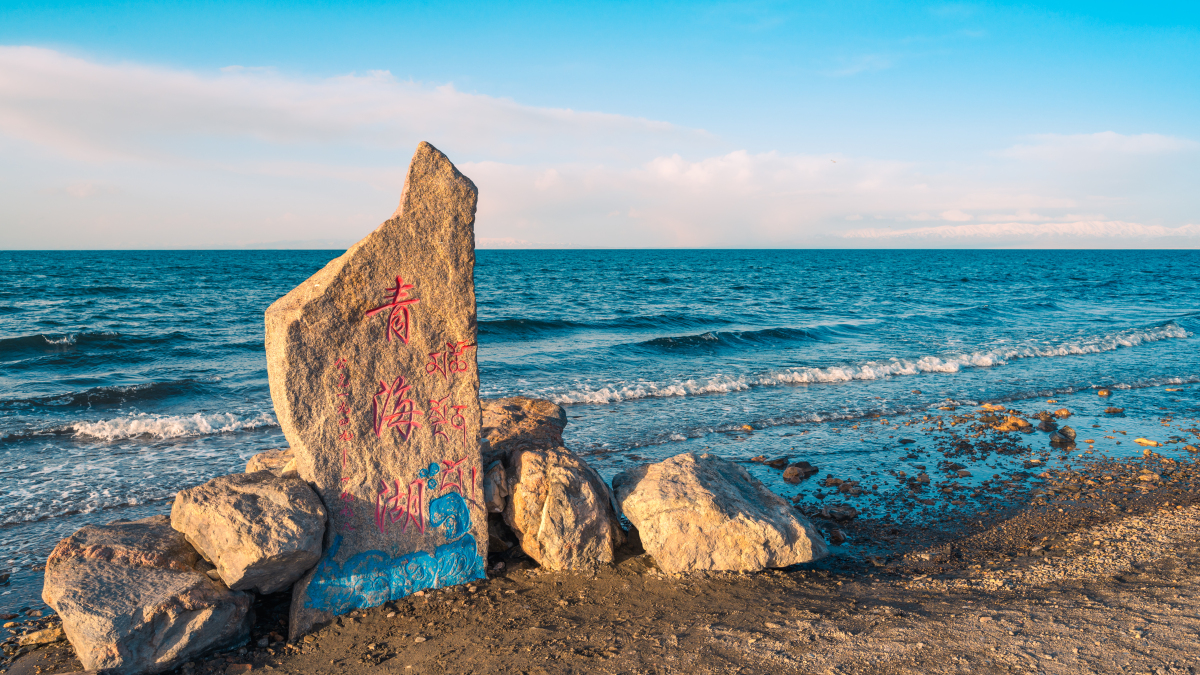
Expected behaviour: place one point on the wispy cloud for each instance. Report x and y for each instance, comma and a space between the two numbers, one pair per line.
1070, 147
129, 155
96, 111
1021, 231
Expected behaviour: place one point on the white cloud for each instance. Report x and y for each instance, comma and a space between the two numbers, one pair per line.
1072, 147
250, 156
97, 111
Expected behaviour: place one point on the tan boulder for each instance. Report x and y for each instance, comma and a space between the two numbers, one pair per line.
701, 512
561, 510
281, 462
262, 532
133, 598
519, 423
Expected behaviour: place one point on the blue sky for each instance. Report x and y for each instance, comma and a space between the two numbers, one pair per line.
618, 124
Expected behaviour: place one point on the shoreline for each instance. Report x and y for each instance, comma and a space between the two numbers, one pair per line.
942, 595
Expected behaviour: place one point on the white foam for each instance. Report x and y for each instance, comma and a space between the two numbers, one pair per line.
721, 383
144, 425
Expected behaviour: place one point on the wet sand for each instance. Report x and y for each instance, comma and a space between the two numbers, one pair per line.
1065, 562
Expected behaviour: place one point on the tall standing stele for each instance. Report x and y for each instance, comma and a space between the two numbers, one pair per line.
374, 379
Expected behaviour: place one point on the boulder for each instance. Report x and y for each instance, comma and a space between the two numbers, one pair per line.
133, 598
281, 462
373, 374
519, 423
561, 510
261, 531
701, 512
798, 472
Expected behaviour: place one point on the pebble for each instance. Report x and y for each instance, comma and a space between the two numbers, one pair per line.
418, 639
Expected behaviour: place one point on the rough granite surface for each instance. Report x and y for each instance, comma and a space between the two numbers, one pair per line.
372, 368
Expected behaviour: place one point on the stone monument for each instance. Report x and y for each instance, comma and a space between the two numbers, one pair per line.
372, 368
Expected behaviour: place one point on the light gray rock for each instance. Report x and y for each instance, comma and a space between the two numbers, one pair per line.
519, 423
260, 531
495, 487
371, 363
133, 599
561, 510
701, 512
281, 462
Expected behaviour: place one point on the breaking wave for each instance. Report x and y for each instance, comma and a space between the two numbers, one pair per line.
143, 425
870, 370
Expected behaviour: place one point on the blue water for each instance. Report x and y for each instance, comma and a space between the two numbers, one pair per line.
125, 376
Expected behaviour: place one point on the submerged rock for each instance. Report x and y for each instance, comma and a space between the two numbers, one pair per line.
133, 599
262, 532
777, 463
1047, 425
701, 512
561, 510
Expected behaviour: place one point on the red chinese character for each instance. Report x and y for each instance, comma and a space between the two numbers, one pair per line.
398, 319
347, 499
452, 477
442, 414
402, 409
407, 505
450, 361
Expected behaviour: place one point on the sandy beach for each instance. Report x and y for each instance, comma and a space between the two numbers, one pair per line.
1081, 567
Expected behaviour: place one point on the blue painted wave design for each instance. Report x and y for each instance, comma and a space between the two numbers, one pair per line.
371, 578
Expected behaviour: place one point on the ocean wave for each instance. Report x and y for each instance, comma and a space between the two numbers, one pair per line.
111, 395
145, 425
517, 326
750, 337
43, 343
721, 383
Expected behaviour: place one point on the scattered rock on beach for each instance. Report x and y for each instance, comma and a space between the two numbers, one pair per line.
42, 637
701, 512
1113, 411
262, 532
281, 462
1104, 392
778, 462
1062, 413
839, 512
561, 510
133, 599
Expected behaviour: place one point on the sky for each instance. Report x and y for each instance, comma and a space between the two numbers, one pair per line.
198, 125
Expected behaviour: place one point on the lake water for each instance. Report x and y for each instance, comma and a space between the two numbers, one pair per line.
125, 376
